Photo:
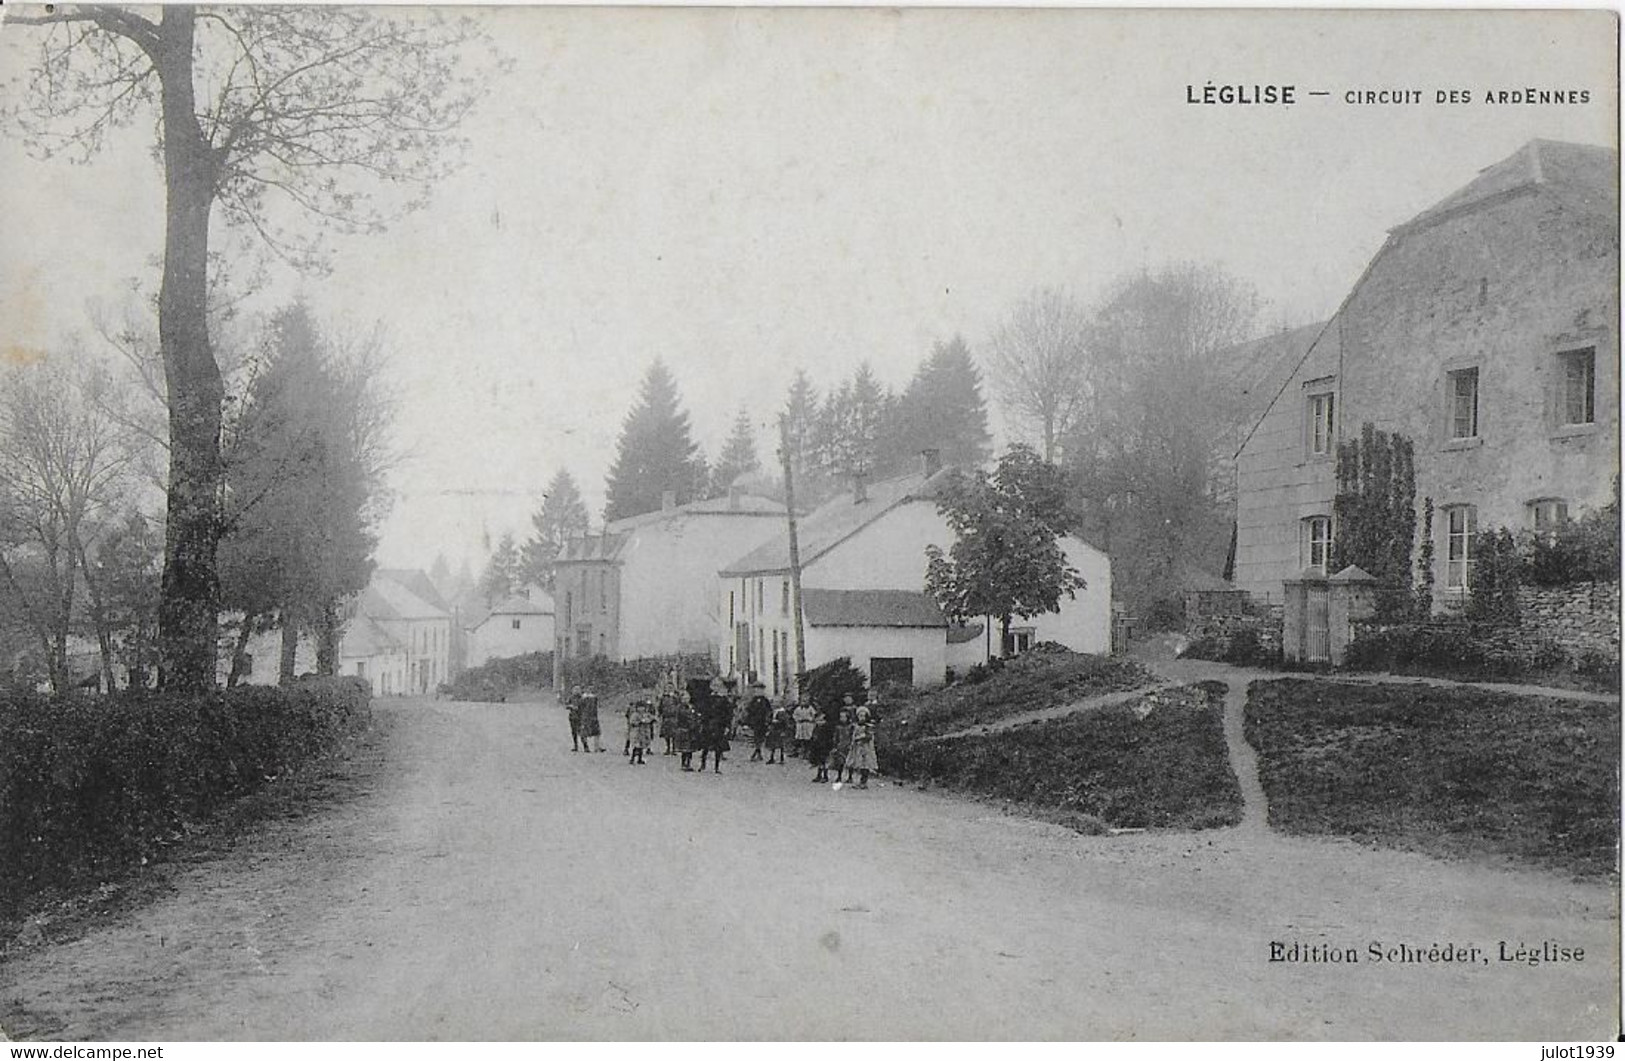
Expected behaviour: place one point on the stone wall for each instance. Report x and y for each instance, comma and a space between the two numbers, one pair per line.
1583, 618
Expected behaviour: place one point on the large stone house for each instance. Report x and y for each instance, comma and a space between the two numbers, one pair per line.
863, 577
1484, 330
647, 585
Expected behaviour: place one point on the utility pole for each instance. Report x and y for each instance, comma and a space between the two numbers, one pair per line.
795, 550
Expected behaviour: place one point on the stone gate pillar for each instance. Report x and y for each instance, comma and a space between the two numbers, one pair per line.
1353, 596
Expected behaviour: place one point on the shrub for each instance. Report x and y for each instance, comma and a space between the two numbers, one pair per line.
609, 677
829, 684
498, 679
89, 786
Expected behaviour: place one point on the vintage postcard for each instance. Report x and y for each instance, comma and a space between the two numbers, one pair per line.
611, 523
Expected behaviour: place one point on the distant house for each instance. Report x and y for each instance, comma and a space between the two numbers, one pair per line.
647, 585
1484, 330
398, 634
863, 577
517, 626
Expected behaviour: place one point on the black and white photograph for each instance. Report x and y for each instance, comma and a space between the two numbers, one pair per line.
809, 524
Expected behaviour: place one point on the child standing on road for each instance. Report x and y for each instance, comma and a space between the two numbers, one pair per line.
591, 733
804, 716
862, 757
641, 725
821, 744
778, 731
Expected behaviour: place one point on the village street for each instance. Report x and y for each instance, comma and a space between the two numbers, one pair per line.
484, 882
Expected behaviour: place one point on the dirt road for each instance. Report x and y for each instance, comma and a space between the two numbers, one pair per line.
491, 884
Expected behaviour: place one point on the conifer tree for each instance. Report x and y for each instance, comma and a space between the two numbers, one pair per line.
738, 454
563, 515
941, 409
656, 452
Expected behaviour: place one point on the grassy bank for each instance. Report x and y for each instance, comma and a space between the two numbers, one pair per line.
1155, 762
1446, 771
1030, 682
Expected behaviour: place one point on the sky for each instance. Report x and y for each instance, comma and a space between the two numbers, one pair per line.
746, 192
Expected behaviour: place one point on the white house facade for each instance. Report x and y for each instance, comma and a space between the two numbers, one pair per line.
647, 585
518, 626
874, 539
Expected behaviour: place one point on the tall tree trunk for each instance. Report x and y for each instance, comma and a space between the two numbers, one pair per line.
290, 652
1004, 634
188, 612
327, 640
239, 652
98, 616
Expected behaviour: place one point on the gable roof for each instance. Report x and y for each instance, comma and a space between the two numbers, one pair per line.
742, 505
592, 547
364, 637
838, 519
870, 607
1252, 371
1584, 176
385, 599
414, 582
1591, 170
517, 605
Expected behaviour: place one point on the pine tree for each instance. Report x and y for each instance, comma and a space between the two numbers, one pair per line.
502, 573
656, 452
848, 439
941, 409
801, 424
563, 515
738, 455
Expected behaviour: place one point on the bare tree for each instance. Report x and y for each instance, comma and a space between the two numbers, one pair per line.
1146, 455
263, 113
1038, 362
61, 464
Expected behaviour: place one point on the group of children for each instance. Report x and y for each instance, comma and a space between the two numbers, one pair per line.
700, 718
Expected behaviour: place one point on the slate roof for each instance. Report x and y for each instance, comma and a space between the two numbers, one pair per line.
415, 582
1591, 171
387, 599
744, 505
1253, 371
870, 607
364, 637
515, 605
837, 520
593, 547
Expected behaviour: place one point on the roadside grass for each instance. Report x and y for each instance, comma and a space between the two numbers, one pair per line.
1449, 772
1029, 682
1158, 761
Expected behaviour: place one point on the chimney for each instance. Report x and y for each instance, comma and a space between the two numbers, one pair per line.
860, 487
668, 500
931, 461
733, 498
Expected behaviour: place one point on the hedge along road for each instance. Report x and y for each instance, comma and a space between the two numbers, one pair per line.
484, 882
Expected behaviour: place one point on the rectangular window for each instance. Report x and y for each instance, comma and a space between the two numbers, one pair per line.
1464, 403
760, 607
731, 608
1579, 405
516, 623
1461, 523
1547, 513
784, 598
1321, 438
569, 599
1315, 549
603, 591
